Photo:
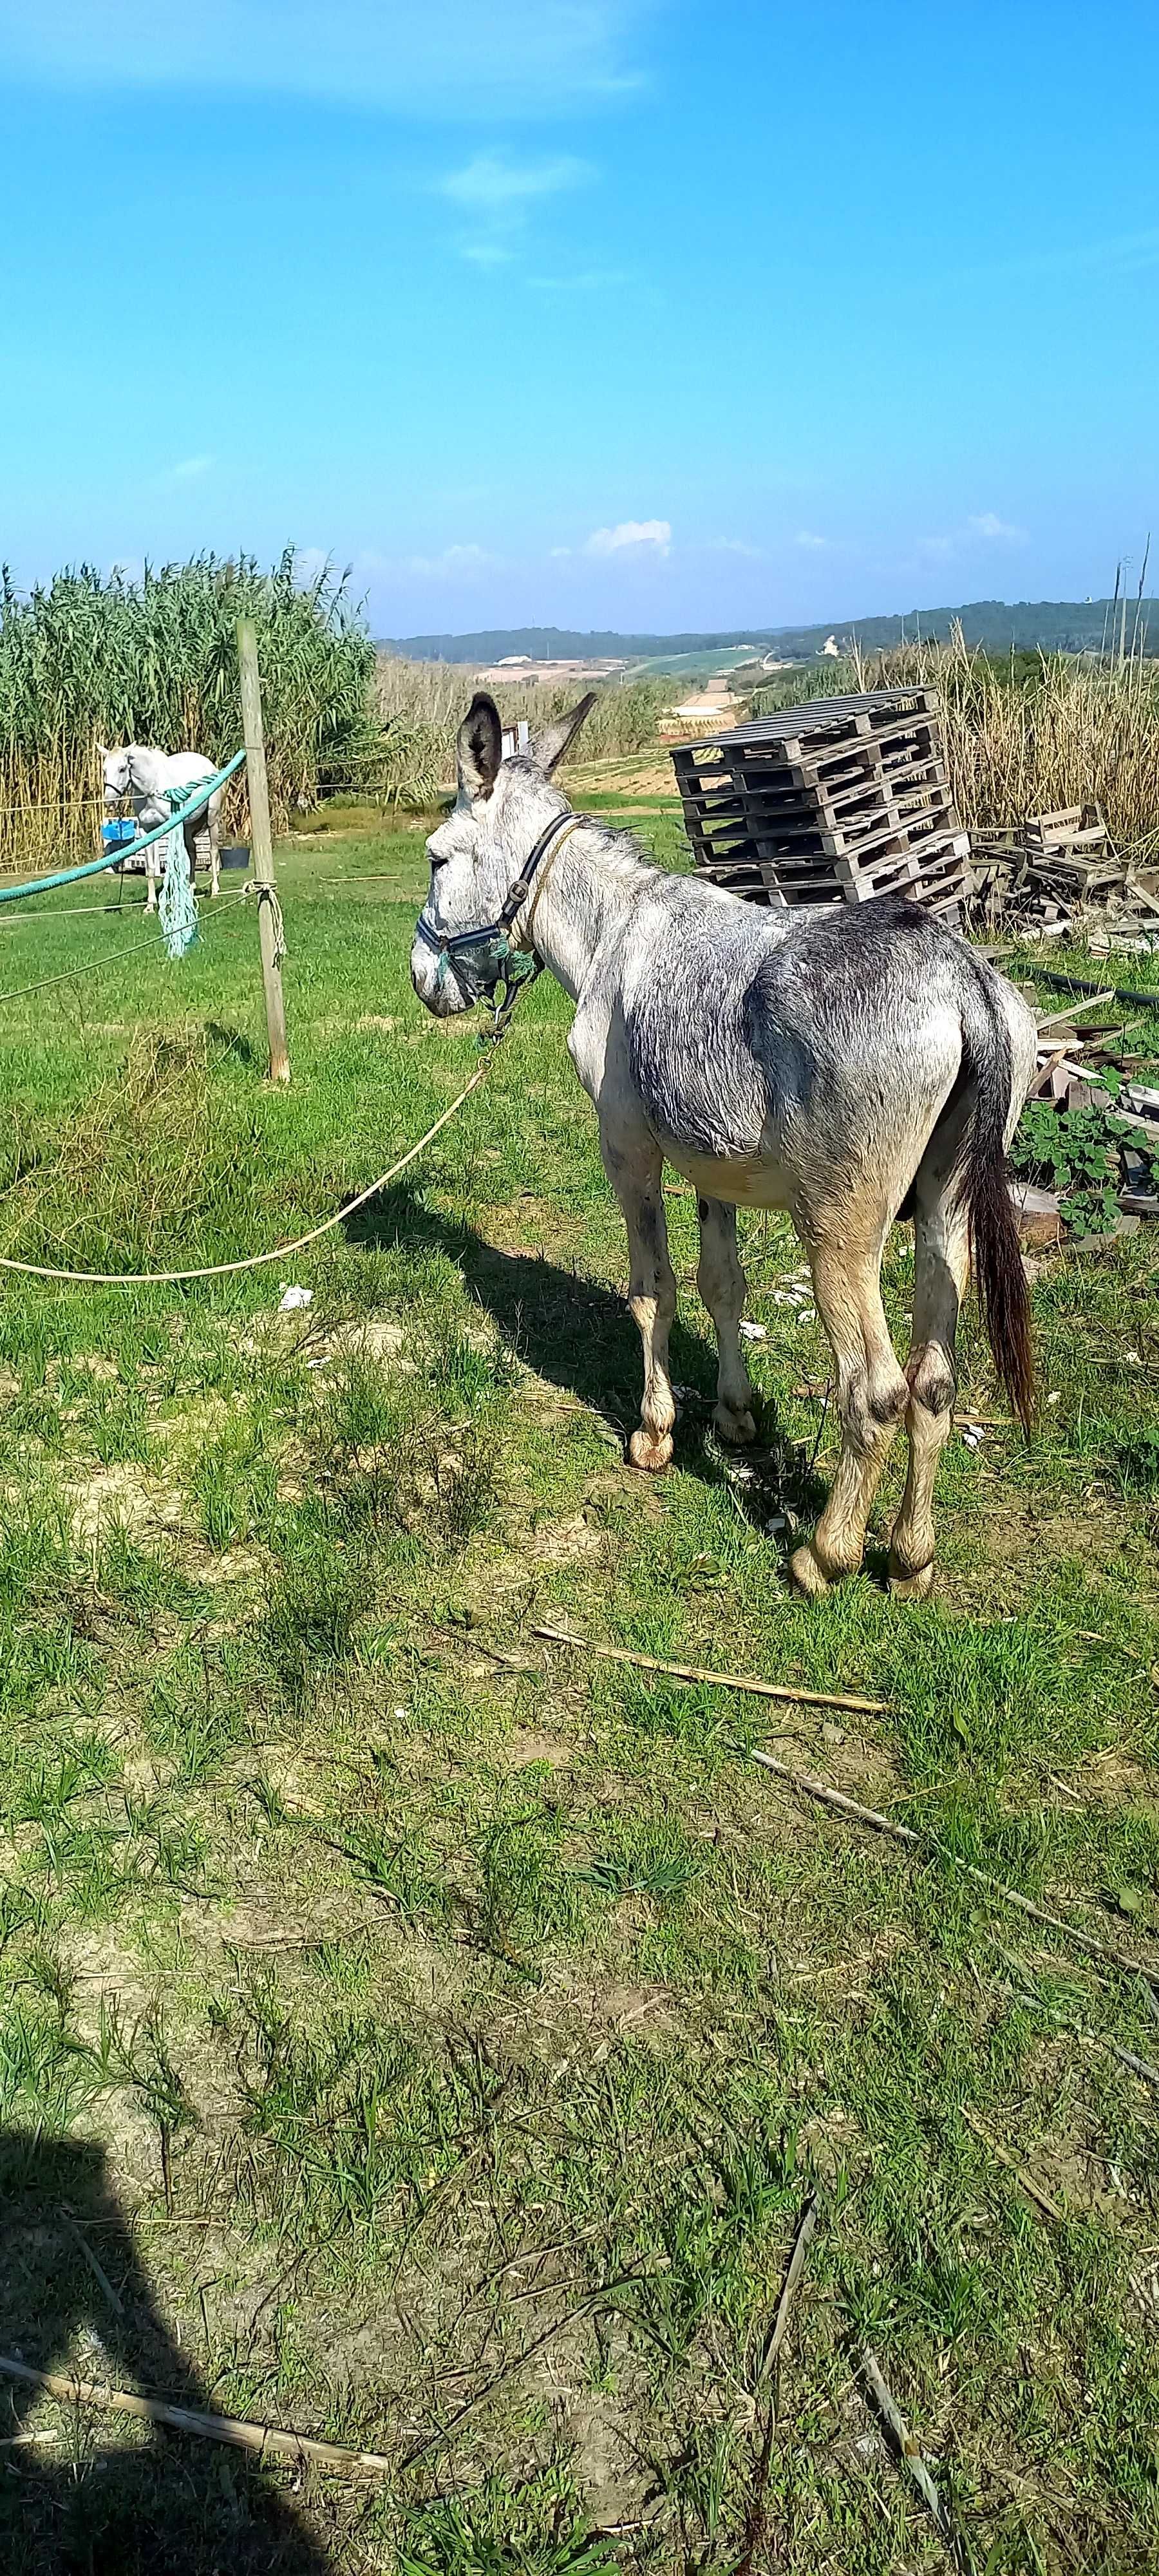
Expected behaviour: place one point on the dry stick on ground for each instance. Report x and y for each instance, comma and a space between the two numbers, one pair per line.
1140, 2066
891, 2413
1033, 2190
806, 1787
758, 2509
265, 2439
719, 1681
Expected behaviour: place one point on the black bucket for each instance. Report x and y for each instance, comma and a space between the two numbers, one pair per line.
237, 856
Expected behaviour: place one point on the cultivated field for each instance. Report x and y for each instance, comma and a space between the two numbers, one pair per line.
427, 2037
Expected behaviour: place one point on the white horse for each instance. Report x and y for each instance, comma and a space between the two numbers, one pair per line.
850, 1066
148, 777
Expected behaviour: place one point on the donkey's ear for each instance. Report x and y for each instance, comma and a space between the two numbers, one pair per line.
479, 748
548, 748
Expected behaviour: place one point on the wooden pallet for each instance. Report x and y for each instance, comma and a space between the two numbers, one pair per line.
831, 799
936, 872
833, 802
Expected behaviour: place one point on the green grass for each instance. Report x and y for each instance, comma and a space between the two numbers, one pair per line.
432, 2036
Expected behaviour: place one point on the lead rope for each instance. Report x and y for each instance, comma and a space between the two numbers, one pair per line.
281, 1251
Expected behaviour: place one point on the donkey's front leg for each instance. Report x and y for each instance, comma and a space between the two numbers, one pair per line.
721, 1282
633, 1165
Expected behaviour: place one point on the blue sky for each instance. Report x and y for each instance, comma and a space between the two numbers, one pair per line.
597, 312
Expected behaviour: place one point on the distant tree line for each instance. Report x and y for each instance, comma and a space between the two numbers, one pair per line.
1028, 626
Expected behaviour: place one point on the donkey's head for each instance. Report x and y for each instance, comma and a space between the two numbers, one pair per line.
502, 808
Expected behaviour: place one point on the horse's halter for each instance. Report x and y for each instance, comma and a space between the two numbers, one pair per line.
485, 958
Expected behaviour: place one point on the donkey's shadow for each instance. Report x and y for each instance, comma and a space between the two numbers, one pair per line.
577, 1334
132, 2500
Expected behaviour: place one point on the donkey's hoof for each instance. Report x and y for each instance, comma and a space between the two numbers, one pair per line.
734, 1424
807, 1574
650, 1451
911, 1586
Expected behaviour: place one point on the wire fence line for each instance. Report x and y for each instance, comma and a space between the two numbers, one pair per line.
98, 965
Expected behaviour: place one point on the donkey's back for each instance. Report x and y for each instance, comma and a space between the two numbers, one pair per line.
816, 1050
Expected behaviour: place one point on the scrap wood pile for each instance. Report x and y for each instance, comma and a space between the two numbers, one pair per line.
1046, 873
1086, 1155
835, 801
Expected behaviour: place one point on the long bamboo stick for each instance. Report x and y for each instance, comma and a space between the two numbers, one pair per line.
795, 1694
242, 2436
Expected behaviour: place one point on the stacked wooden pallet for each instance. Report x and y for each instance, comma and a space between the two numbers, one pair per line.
832, 802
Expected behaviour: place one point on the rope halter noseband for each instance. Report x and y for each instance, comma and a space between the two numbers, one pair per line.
485, 958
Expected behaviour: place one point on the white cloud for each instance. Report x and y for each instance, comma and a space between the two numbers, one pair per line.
587, 281
453, 561
988, 524
641, 533
499, 194
734, 546
812, 543
447, 59
983, 523
189, 469
490, 185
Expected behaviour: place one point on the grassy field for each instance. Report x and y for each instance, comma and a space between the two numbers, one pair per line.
427, 2038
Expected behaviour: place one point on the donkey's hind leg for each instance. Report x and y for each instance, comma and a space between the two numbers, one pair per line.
941, 1266
721, 1282
633, 1164
871, 1398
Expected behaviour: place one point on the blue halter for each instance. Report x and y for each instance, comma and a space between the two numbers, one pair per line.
485, 958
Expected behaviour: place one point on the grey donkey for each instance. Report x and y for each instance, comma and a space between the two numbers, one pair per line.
848, 1065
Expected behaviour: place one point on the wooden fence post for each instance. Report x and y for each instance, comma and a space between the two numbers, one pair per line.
262, 847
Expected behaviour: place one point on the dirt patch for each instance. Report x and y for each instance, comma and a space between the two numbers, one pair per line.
127, 1494
569, 1542
102, 1966
531, 1744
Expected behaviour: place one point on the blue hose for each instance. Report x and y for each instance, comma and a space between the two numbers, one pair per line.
197, 797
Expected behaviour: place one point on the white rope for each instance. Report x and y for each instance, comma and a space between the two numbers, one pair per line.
255, 1260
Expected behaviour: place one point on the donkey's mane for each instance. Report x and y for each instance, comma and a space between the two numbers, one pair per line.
618, 849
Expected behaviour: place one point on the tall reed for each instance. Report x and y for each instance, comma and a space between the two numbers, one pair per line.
88, 659
423, 703
1025, 738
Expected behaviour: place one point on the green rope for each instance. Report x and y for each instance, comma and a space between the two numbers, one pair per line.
191, 804
178, 909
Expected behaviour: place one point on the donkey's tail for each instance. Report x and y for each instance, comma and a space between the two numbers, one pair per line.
986, 1077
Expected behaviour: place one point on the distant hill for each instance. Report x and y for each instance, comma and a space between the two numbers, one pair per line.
561, 644
1054, 625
